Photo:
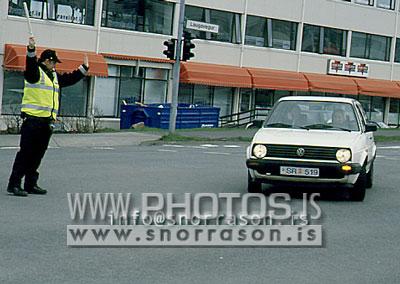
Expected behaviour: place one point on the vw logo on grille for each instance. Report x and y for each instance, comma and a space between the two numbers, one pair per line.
300, 152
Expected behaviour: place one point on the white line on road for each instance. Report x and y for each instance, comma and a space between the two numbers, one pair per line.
389, 147
9, 147
379, 156
209, 145
103, 148
172, 145
231, 146
197, 147
217, 153
165, 150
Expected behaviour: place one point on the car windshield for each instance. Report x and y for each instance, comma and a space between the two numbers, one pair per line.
313, 115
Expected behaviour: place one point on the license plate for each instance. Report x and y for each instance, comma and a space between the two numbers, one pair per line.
296, 171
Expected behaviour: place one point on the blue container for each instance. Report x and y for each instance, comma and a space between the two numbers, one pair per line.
157, 116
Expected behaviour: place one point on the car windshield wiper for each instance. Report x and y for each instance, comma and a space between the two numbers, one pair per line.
284, 125
325, 126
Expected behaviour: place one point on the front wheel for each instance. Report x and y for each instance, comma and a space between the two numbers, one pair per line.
253, 186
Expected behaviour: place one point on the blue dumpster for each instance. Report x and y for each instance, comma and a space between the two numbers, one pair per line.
157, 116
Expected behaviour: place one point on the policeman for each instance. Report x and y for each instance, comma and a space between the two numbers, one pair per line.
40, 105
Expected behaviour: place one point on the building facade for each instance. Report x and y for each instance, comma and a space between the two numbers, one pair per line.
263, 50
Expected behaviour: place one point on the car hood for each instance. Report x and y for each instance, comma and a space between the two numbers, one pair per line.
324, 138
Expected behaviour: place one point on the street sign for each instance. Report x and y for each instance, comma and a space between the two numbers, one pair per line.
200, 26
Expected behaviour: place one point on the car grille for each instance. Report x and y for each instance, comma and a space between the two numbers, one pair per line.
310, 152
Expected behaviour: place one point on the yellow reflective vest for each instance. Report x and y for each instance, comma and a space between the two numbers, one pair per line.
41, 99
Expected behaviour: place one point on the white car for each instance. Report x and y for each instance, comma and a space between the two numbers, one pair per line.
314, 140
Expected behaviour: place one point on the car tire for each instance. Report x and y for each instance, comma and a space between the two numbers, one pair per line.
253, 186
370, 176
357, 193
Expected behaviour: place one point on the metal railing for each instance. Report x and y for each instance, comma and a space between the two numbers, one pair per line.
243, 118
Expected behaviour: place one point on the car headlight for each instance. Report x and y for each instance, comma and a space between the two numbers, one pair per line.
343, 155
260, 151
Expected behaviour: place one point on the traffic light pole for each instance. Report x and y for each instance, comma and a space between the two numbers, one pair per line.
176, 70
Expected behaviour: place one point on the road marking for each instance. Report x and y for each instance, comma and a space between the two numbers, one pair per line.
231, 146
389, 147
217, 153
172, 145
53, 147
165, 150
209, 145
379, 156
103, 148
197, 147
9, 147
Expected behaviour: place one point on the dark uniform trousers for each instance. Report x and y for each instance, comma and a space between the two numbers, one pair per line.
35, 137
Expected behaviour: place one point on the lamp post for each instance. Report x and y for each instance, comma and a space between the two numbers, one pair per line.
176, 69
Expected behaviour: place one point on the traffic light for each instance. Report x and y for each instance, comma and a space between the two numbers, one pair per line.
187, 47
170, 51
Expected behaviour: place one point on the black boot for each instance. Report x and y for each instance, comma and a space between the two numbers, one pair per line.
16, 190
35, 190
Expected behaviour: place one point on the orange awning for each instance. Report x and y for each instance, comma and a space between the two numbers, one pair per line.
15, 55
278, 80
331, 84
141, 58
375, 87
215, 75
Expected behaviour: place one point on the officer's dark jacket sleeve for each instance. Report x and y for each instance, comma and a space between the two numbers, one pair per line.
32, 73
68, 79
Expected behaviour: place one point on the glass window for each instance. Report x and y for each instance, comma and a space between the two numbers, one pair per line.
154, 91
284, 34
271, 33
73, 99
370, 46
324, 40
394, 110
152, 16
263, 98
13, 90
245, 97
185, 94
311, 38
77, 11
256, 31
366, 104
223, 98
386, 4
377, 108
335, 41
106, 98
365, 2
228, 23
202, 95
397, 52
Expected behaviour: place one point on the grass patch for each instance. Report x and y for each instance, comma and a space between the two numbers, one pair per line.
379, 138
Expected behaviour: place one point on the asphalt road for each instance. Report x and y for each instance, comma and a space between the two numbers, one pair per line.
361, 239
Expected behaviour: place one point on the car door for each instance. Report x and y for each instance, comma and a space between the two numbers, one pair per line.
369, 136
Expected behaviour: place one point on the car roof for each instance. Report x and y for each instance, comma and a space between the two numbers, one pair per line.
318, 98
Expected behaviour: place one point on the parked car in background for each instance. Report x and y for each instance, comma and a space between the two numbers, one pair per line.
314, 140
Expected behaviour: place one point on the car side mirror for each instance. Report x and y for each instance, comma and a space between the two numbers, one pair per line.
370, 127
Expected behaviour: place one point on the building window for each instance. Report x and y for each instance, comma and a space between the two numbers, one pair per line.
73, 99
151, 16
271, 33
386, 4
77, 12
394, 110
365, 2
228, 24
221, 97
324, 40
369, 46
397, 51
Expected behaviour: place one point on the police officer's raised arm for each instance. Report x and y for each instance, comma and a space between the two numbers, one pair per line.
31, 73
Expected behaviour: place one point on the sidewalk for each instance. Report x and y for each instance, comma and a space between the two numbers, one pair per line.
88, 140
